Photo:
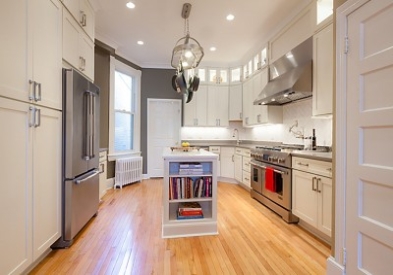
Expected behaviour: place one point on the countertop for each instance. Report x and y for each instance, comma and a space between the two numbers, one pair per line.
324, 156
194, 154
318, 155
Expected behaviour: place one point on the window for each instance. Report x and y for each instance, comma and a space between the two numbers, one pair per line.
124, 110
235, 75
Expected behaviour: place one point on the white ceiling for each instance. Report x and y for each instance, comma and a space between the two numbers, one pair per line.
159, 24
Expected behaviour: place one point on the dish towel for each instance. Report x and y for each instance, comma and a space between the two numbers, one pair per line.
270, 183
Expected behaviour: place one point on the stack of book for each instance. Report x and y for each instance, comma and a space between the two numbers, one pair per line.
190, 169
189, 210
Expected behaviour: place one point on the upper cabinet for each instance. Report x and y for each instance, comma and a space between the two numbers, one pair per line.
78, 36
30, 68
323, 72
195, 113
83, 14
301, 28
258, 114
235, 102
217, 106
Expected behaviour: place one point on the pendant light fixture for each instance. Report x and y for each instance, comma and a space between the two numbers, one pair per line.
187, 53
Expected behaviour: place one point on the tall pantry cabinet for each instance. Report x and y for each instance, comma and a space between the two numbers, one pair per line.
30, 119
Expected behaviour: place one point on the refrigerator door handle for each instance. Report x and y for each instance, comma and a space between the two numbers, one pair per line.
80, 180
92, 124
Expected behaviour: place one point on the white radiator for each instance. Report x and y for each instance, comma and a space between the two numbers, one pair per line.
127, 171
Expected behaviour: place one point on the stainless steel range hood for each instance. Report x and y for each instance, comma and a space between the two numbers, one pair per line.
290, 77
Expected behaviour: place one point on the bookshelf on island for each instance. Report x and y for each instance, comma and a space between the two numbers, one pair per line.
189, 193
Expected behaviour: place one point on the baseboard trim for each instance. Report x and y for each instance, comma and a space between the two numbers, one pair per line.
334, 268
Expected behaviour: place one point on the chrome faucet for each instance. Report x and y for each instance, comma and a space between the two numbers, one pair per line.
236, 134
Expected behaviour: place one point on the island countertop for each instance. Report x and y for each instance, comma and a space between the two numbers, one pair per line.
168, 153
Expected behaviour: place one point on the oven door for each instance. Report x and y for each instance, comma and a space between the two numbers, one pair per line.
280, 192
256, 178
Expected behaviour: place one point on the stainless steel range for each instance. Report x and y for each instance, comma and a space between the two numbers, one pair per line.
271, 179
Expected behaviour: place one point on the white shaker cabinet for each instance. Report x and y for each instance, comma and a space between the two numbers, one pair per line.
195, 111
227, 156
242, 166
263, 114
30, 201
312, 193
298, 30
103, 170
323, 72
217, 105
83, 13
30, 68
235, 102
238, 165
247, 103
258, 114
78, 48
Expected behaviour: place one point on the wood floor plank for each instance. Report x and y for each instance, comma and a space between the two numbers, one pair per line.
125, 238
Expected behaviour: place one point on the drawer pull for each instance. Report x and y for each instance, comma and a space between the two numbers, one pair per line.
302, 164
329, 169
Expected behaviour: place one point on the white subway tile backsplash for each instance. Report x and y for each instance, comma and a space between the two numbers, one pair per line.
299, 111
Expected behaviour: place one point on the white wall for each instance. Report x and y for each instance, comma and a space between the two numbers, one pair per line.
300, 111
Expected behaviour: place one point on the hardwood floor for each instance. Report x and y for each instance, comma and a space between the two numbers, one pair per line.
125, 238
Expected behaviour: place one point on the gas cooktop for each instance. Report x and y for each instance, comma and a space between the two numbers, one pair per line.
279, 155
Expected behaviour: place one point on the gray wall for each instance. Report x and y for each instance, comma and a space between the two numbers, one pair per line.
156, 83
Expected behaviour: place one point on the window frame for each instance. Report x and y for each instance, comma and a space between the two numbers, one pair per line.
116, 65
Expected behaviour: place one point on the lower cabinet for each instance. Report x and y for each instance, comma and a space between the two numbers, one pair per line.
216, 150
238, 167
227, 156
247, 169
30, 201
312, 196
103, 167
242, 166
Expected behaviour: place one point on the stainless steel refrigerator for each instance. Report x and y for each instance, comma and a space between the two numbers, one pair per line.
80, 173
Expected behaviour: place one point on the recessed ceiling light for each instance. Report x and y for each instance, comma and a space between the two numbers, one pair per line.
213, 49
130, 5
140, 42
230, 17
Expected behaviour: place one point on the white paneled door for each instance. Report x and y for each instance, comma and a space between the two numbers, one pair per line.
164, 122
369, 120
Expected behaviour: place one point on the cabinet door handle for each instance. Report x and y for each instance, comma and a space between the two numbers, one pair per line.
83, 20
82, 63
32, 116
319, 190
38, 98
314, 180
34, 84
38, 114
241, 115
233, 158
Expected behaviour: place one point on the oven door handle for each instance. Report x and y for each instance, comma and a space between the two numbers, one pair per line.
275, 170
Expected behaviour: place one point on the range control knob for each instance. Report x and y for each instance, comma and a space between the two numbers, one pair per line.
281, 160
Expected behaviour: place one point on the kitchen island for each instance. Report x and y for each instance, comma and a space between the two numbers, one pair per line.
189, 178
